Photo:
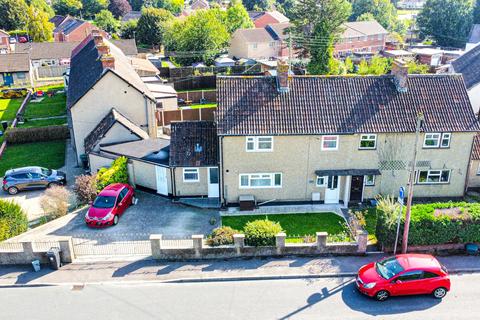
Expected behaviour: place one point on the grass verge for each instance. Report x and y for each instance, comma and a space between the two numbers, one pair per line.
9, 108
43, 123
48, 107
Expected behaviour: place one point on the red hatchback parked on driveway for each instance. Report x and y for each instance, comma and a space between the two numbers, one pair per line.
404, 274
110, 203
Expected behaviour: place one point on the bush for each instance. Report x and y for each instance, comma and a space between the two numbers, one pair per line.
117, 173
26, 135
55, 201
85, 188
458, 222
261, 232
221, 236
13, 220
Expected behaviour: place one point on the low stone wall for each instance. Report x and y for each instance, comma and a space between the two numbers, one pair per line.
200, 250
436, 249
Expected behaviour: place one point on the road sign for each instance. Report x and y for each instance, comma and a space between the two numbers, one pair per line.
401, 193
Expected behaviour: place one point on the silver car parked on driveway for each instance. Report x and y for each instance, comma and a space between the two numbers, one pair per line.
29, 178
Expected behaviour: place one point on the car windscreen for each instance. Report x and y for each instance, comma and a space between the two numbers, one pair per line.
104, 202
388, 267
46, 172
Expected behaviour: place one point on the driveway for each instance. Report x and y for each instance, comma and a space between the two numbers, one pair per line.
152, 214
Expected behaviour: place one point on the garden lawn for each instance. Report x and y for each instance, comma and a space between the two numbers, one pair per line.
299, 224
202, 106
9, 108
49, 154
48, 107
371, 223
43, 123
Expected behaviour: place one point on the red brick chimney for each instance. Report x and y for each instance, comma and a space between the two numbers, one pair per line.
97, 38
103, 49
400, 71
108, 61
282, 75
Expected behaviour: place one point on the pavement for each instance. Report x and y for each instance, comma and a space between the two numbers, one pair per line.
208, 271
332, 298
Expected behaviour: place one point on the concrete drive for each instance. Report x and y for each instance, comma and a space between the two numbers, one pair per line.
282, 299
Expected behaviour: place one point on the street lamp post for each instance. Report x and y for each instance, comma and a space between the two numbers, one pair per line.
411, 181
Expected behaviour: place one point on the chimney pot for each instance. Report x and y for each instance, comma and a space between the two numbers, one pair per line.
282, 75
103, 49
108, 62
97, 38
400, 71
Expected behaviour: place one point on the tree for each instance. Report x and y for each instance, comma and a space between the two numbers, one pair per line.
129, 29
13, 14
383, 11
363, 68
152, 24
174, 6
137, 4
119, 8
417, 68
106, 21
64, 7
476, 12
367, 16
42, 5
316, 25
285, 7
257, 5
349, 67
446, 21
38, 27
237, 18
379, 65
92, 7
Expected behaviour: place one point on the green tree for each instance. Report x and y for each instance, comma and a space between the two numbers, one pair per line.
129, 29
258, 5
446, 21
237, 18
367, 16
106, 21
316, 25
137, 4
64, 7
349, 67
382, 10
476, 12
119, 8
38, 26
92, 7
285, 7
379, 65
417, 68
13, 14
152, 24
363, 68
42, 5
174, 6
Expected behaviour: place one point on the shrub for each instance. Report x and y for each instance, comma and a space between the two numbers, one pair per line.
55, 201
26, 135
117, 173
221, 236
13, 220
85, 188
261, 232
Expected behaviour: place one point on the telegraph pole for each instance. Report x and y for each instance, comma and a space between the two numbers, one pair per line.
411, 181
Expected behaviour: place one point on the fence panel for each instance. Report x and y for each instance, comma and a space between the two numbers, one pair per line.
11, 247
84, 247
43, 246
50, 71
176, 244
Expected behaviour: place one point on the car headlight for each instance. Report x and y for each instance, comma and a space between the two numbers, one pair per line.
369, 285
108, 216
86, 216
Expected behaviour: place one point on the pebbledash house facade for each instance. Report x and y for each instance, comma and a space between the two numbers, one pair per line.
341, 140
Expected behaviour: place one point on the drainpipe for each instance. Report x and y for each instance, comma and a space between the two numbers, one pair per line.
467, 176
174, 186
220, 146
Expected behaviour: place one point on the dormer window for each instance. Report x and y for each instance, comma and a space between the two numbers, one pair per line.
437, 140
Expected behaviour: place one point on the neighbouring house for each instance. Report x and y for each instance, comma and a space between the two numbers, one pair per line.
224, 62
106, 97
473, 37
340, 139
165, 94
69, 29
132, 15
474, 169
469, 66
199, 5
15, 70
4, 42
399, 54
361, 36
263, 18
260, 43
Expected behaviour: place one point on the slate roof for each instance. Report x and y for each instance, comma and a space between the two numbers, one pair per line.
128, 46
193, 144
474, 36
255, 35
476, 148
468, 65
342, 105
151, 150
14, 62
56, 20
106, 124
362, 28
47, 50
277, 30
68, 25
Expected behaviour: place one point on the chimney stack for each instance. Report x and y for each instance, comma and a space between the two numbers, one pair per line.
400, 71
108, 61
103, 49
282, 75
97, 38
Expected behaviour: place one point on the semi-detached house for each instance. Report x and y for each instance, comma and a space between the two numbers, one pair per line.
342, 139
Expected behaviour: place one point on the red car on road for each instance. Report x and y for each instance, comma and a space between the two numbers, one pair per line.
109, 205
404, 274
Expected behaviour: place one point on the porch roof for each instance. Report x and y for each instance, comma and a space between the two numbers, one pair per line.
348, 172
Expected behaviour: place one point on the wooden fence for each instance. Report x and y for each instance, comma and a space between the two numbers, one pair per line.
164, 118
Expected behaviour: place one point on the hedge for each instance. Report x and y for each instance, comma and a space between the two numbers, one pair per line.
13, 220
221, 236
428, 228
117, 173
261, 232
26, 135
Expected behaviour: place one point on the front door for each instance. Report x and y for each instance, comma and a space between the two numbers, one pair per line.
332, 192
162, 183
356, 189
7, 79
213, 187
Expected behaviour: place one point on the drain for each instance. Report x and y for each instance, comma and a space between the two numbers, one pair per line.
78, 287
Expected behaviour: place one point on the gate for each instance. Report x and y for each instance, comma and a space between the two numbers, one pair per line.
111, 245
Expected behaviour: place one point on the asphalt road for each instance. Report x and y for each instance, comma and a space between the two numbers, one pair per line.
334, 298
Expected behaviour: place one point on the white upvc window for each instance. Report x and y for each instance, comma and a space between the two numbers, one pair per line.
260, 180
329, 142
259, 144
433, 176
272, 44
321, 181
254, 45
370, 180
437, 140
191, 175
368, 141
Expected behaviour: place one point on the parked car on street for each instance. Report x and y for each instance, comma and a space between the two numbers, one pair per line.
109, 205
404, 274
29, 178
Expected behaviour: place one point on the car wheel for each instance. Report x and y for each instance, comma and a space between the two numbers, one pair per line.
13, 190
382, 295
115, 220
439, 293
52, 184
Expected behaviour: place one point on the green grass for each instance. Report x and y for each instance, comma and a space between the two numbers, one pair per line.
201, 106
49, 154
56, 87
165, 64
195, 90
48, 107
9, 108
294, 224
43, 123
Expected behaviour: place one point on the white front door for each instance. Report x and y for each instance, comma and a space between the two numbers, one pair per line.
162, 183
332, 192
213, 187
